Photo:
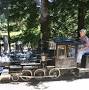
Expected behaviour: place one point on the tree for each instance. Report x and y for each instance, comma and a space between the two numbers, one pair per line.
63, 18
58, 18
44, 21
23, 16
81, 14
5, 13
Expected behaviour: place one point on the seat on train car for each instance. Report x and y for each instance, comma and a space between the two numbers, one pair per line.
85, 61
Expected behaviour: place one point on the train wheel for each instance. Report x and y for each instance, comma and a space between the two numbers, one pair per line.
15, 78
55, 73
39, 73
26, 75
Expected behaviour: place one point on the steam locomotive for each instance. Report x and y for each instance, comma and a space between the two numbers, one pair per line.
58, 61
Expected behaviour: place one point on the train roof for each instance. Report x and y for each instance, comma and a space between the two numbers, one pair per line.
64, 41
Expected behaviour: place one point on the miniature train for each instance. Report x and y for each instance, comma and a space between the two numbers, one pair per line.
46, 65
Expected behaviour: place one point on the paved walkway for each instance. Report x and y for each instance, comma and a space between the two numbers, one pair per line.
79, 84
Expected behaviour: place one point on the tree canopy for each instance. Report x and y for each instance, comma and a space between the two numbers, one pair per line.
59, 18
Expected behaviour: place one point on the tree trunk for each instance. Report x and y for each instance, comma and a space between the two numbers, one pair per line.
9, 48
44, 24
81, 15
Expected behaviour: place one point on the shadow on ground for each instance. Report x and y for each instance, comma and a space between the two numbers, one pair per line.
39, 83
66, 77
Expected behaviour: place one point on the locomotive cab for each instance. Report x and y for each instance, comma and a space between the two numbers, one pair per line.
65, 54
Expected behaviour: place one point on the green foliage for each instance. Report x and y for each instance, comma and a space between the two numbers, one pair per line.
30, 35
23, 15
63, 17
